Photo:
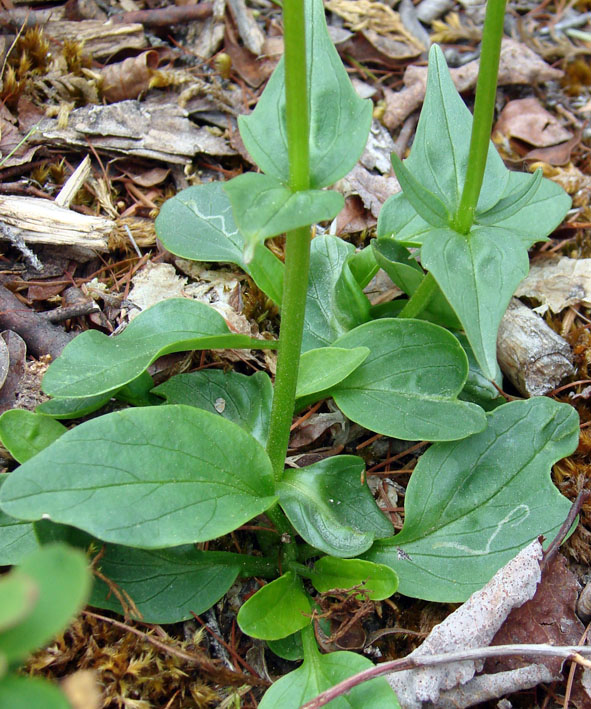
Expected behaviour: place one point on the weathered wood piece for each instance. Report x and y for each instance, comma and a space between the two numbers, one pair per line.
533, 357
101, 39
157, 131
40, 221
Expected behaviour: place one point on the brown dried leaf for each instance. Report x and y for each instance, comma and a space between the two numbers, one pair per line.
549, 617
147, 178
558, 283
253, 70
129, 78
527, 120
373, 189
353, 217
518, 65
555, 154
363, 51
314, 427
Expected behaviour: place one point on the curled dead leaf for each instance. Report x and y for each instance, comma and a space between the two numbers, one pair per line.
129, 78
527, 120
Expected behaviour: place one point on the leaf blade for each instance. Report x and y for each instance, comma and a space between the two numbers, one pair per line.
197, 486
472, 504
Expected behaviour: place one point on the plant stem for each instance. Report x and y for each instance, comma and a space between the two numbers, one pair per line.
297, 253
301, 570
420, 298
486, 91
296, 95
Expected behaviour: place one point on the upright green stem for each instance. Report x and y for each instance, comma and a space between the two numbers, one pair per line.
297, 253
420, 299
486, 91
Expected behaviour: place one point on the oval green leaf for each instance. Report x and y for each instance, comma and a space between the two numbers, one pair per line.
377, 580
408, 386
331, 507
166, 585
278, 609
322, 368
245, 400
472, 505
25, 433
94, 364
64, 408
151, 478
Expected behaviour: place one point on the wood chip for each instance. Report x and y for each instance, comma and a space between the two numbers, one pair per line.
531, 354
157, 131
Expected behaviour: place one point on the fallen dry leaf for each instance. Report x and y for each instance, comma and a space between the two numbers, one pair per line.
518, 65
557, 284
527, 120
314, 427
549, 617
353, 217
555, 154
129, 78
373, 189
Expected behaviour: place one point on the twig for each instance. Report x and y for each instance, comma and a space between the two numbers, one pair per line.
40, 335
70, 311
18, 242
165, 16
569, 652
550, 552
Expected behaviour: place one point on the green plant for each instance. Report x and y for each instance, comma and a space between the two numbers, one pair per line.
37, 600
204, 453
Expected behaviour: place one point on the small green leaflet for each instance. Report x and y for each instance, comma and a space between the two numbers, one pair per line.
278, 609
24, 433
320, 672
